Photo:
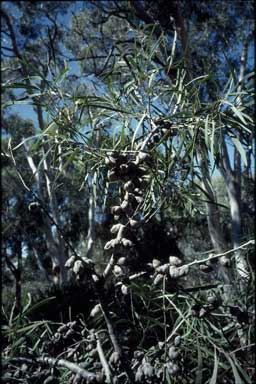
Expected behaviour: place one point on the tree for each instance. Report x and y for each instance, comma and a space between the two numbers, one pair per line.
138, 136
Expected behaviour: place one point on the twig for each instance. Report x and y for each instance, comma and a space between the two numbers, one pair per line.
103, 360
109, 266
75, 368
203, 261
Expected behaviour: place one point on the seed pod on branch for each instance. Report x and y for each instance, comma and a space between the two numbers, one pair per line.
121, 261
78, 267
155, 263
175, 272
70, 262
125, 206
110, 161
129, 186
114, 358
175, 261
116, 227
127, 243
173, 353
124, 289
116, 210
112, 244
112, 176
205, 268
163, 268
118, 270
134, 223
96, 309
158, 278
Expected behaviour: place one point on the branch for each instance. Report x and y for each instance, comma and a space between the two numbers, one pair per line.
75, 368
103, 360
203, 261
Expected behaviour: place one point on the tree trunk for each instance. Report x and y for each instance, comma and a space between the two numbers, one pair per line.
213, 220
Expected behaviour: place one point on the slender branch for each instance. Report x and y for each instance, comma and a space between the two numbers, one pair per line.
103, 360
203, 261
75, 368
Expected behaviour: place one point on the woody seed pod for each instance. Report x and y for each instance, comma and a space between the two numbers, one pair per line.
205, 268
118, 270
127, 242
163, 268
121, 261
139, 374
129, 186
116, 227
125, 205
177, 341
134, 223
62, 328
155, 263
173, 353
139, 199
173, 260
116, 210
114, 358
108, 245
138, 191
225, 261
78, 267
157, 279
112, 176
175, 272
95, 310
109, 160
148, 370
124, 289
70, 262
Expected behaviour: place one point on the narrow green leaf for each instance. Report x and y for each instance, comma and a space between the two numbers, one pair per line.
215, 369
199, 373
137, 128
240, 149
237, 377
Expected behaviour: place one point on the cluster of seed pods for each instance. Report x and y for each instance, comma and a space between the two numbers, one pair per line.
128, 170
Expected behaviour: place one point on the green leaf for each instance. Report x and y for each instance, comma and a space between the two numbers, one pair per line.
199, 372
137, 128
240, 149
237, 377
215, 369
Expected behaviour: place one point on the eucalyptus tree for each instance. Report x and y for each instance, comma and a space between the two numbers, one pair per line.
108, 31
38, 44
